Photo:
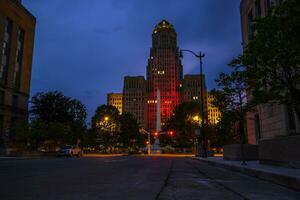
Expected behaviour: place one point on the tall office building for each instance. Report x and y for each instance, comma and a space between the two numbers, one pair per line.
135, 98
164, 73
115, 99
17, 28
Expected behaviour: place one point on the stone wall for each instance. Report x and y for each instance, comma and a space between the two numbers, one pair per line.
234, 152
284, 151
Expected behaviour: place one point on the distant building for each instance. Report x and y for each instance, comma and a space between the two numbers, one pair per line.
192, 89
214, 113
135, 98
164, 73
17, 28
268, 121
115, 99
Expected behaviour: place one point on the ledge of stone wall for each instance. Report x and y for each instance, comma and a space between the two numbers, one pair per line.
234, 152
283, 151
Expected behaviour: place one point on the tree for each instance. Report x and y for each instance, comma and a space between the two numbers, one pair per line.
231, 101
56, 118
271, 60
105, 123
55, 107
129, 131
112, 130
185, 120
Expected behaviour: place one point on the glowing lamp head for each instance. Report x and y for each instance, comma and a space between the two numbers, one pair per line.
196, 118
106, 118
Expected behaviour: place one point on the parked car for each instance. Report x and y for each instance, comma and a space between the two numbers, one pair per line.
70, 150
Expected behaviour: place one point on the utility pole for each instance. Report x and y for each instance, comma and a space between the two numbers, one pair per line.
203, 115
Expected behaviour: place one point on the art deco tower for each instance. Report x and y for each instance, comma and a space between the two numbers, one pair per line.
164, 73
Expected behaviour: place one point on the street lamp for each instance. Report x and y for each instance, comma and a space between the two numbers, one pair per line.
196, 118
106, 118
200, 56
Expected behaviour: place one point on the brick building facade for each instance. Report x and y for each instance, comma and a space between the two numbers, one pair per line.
17, 29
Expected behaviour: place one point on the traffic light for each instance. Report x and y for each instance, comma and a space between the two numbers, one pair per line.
171, 133
156, 134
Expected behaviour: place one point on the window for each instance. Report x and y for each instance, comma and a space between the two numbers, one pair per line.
15, 100
250, 23
257, 8
1, 127
257, 127
267, 5
291, 119
19, 58
2, 95
13, 123
6, 49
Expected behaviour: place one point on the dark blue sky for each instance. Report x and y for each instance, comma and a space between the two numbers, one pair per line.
84, 48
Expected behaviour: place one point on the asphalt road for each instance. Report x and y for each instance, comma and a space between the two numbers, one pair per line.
131, 178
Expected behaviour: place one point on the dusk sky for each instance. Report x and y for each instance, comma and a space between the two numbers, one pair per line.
84, 48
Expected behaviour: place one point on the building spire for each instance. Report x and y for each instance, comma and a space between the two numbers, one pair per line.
164, 24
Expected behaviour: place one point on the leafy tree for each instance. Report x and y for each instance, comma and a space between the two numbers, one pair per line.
130, 135
231, 101
105, 113
105, 123
89, 139
55, 107
271, 60
56, 118
111, 130
184, 121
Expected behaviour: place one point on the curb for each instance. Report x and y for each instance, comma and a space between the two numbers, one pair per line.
283, 180
95, 155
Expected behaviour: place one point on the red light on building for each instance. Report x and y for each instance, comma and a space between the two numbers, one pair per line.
156, 134
164, 73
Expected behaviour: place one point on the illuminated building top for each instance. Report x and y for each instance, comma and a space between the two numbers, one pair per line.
164, 24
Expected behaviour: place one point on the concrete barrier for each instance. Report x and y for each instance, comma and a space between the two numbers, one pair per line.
283, 151
234, 152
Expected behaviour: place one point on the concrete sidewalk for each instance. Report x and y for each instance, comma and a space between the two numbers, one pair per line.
288, 177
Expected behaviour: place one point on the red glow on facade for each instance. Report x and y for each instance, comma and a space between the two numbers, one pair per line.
164, 72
